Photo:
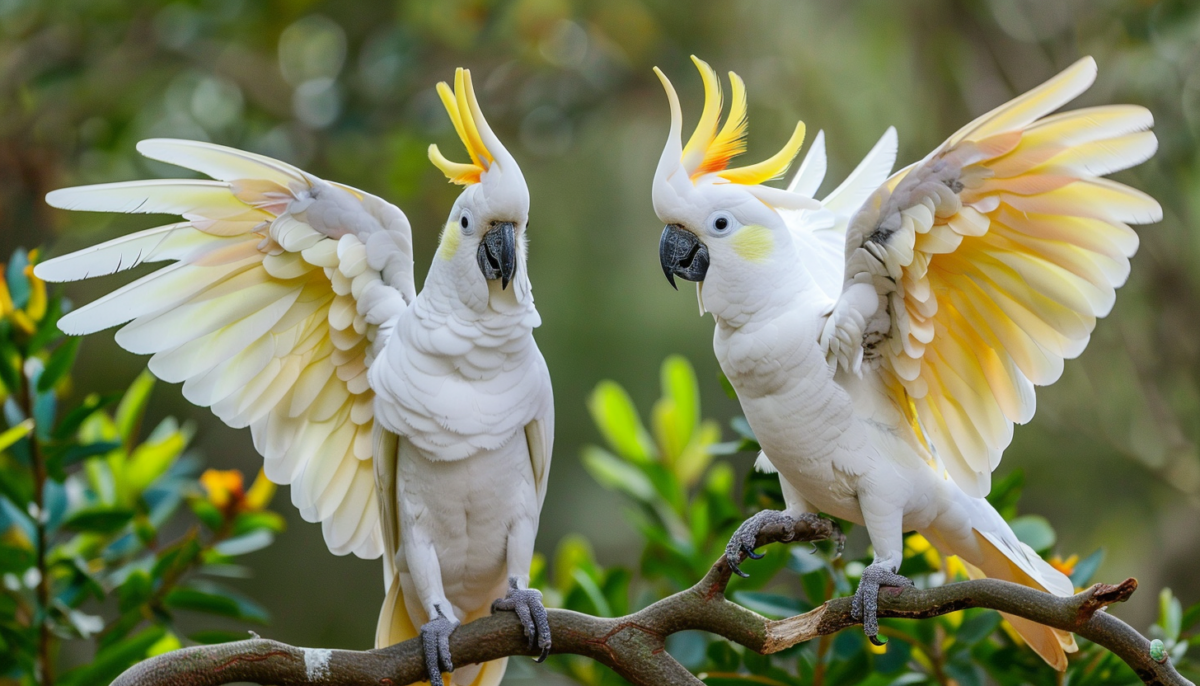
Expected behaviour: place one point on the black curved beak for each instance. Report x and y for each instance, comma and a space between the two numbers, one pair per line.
682, 254
497, 254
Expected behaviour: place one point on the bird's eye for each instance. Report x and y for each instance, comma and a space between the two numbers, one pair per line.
721, 222
466, 221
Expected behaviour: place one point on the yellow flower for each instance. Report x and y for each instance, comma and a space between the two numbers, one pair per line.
918, 546
1066, 566
36, 307
260, 493
224, 486
6, 303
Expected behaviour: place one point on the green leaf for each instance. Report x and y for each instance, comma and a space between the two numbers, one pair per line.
10, 364
207, 513
1034, 531
59, 364
73, 419
772, 605
15, 433
616, 474
1170, 614
696, 456
675, 415
584, 581
224, 604
727, 386
133, 406
1006, 492
1190, 618
723, 657
79, 453
114, 659
18, 284
1086, 568
248, 543
99, 519
134, 591
618, 421
151, 460
573, 552
164, 645
977, 627
248, 522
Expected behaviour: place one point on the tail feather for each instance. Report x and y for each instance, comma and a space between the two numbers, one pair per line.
396, 625
1016, 562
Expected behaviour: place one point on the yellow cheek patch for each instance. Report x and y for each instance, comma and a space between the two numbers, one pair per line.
448, 245
753, 243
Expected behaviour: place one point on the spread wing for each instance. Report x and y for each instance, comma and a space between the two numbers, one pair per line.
820, 235
993, 257
278, 286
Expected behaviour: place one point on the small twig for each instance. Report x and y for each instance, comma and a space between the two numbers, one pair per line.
634, 645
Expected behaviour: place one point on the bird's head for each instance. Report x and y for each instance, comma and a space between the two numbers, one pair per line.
722, 225
483, 240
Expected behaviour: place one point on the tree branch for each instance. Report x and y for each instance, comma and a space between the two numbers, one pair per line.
634, 645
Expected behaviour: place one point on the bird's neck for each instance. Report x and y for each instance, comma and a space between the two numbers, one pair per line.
748, 298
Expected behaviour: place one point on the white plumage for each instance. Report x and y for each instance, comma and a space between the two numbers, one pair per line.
290, 309
884, 342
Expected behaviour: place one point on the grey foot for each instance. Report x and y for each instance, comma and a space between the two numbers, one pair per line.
527, 603
743, 541
435, 637
865, 606
776, 527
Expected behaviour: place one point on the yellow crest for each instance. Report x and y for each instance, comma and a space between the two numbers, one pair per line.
710, 149
465, 114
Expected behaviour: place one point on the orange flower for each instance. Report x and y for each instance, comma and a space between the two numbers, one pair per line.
1066, 566
224, 486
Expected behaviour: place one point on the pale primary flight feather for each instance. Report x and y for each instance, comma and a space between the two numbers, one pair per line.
259, 316
942, 295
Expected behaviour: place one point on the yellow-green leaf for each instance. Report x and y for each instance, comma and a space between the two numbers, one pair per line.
133, 405
695, 457
15, 433
618, 421
574, 552
617, 474
151, 460
165, 644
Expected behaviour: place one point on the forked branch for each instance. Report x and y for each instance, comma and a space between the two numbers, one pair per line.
634, 645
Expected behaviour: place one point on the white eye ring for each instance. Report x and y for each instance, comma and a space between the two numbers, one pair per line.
721, 223
466, 222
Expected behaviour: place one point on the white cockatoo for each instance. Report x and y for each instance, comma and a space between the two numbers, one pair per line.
884, 340
413, 426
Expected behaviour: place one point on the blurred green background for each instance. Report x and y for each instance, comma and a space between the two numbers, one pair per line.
346, 90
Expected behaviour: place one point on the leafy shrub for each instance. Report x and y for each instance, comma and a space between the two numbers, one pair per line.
683, 505
96, 544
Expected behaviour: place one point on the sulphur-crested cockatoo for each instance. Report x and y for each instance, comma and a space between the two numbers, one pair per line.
884, 340
416, 426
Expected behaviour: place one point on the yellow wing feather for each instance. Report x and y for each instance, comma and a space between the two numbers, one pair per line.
258, 316
994, 257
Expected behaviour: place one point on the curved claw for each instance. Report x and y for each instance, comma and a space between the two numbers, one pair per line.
751, 554
733, 566
435, 636
865, 606
527, 604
